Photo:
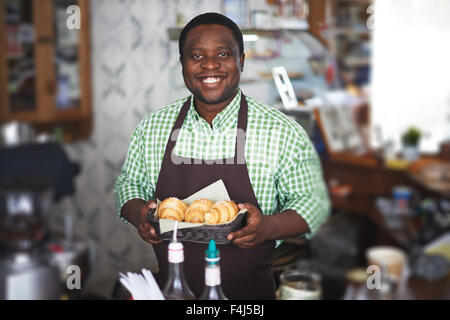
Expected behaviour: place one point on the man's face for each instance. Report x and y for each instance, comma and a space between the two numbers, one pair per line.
211, 63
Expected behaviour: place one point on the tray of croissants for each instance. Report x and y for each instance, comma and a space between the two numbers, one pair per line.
199, 221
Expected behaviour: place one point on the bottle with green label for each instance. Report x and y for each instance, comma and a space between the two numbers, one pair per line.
213, 289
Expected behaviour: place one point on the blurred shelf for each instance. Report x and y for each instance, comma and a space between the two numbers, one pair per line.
288, 253
269, 31
174, 33
355, 2
351, 31
357, 62
14, 56
267, 76
291, 75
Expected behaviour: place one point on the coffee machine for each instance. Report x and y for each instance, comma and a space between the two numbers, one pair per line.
26, 273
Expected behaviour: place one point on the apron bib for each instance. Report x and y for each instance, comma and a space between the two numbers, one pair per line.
246, 274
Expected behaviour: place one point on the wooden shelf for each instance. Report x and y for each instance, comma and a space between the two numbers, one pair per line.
43, 110
367, 184
361, 160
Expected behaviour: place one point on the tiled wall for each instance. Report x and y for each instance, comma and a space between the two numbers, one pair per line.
131, 71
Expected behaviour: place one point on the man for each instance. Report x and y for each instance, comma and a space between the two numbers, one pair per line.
273, 171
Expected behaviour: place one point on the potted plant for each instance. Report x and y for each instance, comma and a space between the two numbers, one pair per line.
410, 141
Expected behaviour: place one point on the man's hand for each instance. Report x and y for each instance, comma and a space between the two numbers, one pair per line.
145, 229
134, 211
254, 233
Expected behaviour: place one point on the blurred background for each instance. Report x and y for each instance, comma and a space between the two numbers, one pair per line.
370, 85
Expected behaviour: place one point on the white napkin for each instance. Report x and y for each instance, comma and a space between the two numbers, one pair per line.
142, 287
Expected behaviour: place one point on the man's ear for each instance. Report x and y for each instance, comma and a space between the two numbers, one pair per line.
241, 62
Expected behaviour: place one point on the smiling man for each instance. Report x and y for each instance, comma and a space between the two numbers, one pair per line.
272, 171
212, 63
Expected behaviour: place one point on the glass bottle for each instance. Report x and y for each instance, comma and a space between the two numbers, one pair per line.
213, 289
176, 287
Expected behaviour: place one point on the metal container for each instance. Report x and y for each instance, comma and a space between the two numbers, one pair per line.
16, 133
70, 257
23, 209
28, 276
24, 272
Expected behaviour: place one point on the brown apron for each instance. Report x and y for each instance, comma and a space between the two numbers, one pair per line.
246, 274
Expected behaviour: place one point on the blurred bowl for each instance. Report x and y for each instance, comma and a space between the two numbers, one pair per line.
391, 258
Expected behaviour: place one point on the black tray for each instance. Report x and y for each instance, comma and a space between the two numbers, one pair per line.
200, 234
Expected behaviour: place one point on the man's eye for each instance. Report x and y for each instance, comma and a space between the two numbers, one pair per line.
224, 54
196, 56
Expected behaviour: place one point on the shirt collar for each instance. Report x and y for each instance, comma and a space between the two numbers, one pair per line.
224, 120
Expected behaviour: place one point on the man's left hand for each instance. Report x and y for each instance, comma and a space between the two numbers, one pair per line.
254, 233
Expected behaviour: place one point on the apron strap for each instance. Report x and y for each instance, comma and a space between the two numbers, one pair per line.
239, 152
177, 125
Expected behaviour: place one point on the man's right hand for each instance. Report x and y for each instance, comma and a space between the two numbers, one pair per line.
146, 230
135, 211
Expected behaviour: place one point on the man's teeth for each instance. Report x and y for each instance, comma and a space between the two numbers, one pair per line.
211, 80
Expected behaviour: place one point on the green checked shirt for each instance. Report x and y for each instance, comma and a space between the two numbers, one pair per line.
282, 163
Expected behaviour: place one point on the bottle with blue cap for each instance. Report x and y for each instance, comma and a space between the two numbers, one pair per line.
213, 289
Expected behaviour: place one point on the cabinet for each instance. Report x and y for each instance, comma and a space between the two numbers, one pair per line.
353, 38
45, 65
344, 27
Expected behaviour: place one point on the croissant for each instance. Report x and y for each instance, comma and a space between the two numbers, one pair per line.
221, 211
172, 208
195, 212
